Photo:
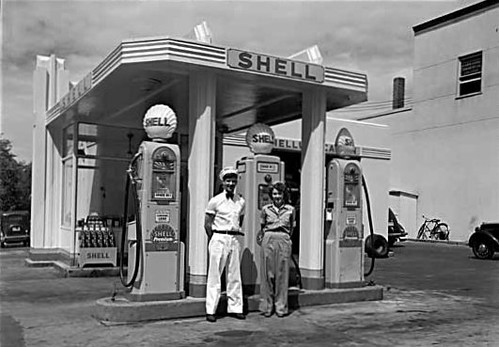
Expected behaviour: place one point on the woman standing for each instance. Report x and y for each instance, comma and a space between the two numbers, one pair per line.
277, 224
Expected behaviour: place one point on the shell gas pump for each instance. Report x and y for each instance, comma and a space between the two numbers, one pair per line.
155, 253
256, 175
344, 251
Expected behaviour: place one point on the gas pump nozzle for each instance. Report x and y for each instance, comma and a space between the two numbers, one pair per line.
131, 171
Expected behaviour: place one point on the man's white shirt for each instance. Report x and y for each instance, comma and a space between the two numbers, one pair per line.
226, 211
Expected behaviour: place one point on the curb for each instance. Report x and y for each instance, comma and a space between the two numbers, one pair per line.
445, 242
120, 310
31, 263
66, 270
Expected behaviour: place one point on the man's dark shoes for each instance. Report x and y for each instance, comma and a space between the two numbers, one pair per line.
211, 318
237, 315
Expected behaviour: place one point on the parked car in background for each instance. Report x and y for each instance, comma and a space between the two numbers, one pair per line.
14, 227
485, 240
396, 231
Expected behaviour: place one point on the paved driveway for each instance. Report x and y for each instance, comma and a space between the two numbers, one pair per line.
435, 295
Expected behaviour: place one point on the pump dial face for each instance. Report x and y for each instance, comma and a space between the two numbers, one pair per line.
351, 193
164, 175
163, 159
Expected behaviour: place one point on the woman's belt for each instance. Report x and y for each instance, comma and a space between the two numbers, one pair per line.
282, 231
278, 230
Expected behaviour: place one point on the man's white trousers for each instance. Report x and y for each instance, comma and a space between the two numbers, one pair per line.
224, 251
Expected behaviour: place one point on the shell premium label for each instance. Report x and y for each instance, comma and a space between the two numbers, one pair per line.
163, 233
162, 238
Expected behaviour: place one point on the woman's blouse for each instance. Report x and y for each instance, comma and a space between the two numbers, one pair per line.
278, 218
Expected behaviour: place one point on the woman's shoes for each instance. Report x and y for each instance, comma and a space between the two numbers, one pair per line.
278, 314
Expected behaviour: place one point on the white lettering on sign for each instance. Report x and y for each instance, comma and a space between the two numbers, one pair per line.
77, 91
351, 220
275, 66
162, 216
98, 255
163, 194
267, 167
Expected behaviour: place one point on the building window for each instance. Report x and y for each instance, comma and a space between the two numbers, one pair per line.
470, 74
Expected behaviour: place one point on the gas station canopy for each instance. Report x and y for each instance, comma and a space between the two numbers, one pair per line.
250, 87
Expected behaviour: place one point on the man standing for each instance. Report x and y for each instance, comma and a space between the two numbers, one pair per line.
223, 220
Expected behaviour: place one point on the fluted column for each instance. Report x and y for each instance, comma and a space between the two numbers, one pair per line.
202, 97
312, 189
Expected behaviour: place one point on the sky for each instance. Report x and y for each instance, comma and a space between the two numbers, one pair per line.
371, 37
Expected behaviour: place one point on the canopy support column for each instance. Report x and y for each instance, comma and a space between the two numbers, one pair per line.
312, 189
201, 159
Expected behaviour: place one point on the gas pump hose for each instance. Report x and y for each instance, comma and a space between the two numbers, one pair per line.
138, 227
366, 193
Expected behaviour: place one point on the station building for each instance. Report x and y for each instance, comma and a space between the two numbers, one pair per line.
85, 135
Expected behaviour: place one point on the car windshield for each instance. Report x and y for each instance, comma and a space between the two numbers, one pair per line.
490, 226
391, 215
15, 219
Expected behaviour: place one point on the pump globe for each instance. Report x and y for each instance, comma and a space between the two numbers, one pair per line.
260, 138
160, 122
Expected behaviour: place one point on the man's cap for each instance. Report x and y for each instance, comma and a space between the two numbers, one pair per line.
226, 171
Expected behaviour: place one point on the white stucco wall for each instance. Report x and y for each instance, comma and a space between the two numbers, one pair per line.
446, 149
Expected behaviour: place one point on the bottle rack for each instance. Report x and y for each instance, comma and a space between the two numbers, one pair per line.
96, 244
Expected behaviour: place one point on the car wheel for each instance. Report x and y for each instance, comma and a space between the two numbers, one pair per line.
483, 250
442, 232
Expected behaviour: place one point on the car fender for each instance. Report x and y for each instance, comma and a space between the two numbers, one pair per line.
484, 234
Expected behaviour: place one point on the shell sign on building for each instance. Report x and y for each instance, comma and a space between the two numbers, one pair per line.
160, 122
260, 138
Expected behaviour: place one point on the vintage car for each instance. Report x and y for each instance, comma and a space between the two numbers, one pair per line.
14, 228
485, 240
396, 231
377, 246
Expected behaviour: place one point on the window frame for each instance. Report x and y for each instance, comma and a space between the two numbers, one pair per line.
470, 78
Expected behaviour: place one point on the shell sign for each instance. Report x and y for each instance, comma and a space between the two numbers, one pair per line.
160, 122
345, 146
260, 138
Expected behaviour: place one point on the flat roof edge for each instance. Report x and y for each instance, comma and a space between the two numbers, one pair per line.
185, 51
454, 16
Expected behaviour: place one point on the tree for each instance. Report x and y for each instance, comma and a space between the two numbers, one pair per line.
15, 180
